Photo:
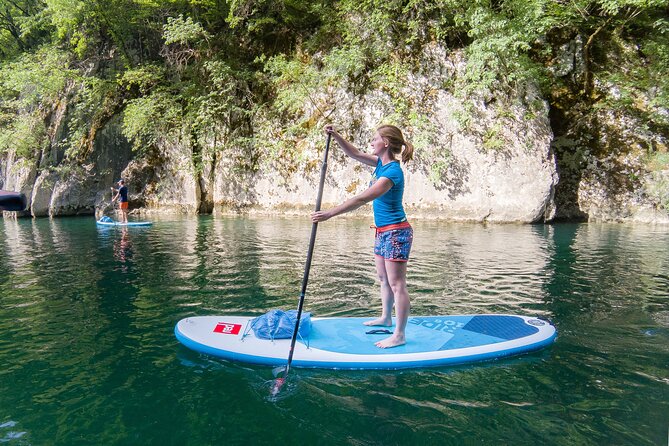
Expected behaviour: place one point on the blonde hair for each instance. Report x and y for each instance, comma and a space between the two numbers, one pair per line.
396, 142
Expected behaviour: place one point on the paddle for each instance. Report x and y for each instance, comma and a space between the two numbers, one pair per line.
305, 278
12, 201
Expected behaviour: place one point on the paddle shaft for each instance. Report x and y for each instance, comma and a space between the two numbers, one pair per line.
307, 266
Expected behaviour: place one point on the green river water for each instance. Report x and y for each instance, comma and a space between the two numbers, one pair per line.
88, 355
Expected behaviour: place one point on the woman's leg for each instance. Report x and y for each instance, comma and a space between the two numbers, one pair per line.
387, 298
397, 279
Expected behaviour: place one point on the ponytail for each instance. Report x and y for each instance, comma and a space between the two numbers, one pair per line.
407, 153
396, 142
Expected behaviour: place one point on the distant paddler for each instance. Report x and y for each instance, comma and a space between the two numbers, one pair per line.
122, 195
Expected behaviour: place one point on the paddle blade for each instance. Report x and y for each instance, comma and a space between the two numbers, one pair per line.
280, 373
276, 386
12, 201
279, 389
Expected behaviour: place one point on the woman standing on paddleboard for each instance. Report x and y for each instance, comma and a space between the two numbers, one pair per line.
393, 232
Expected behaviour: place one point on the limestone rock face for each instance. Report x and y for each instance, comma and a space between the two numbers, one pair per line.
18, 176
167, 183
482, 159
74, 195
478, 162
510, 179
605, 197
41, 194
621, 186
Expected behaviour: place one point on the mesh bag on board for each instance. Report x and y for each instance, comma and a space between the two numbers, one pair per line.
279, 324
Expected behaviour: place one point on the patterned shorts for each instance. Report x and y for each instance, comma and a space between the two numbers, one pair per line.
393, 242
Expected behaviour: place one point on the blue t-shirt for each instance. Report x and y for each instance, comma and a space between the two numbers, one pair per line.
388, 208
123, 192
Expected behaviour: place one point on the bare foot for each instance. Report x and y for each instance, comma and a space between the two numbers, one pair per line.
393, 341
379, 322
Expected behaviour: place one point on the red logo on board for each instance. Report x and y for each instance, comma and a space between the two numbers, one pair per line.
226, 328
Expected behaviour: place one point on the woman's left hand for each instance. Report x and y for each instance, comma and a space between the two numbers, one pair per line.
320, 216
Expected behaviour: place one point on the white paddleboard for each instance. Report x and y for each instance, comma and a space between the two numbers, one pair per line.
344, 343
118, 223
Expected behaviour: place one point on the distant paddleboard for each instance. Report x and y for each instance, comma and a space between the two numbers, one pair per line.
345, 343
118, 223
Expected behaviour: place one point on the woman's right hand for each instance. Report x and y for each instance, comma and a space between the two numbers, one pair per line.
329, 129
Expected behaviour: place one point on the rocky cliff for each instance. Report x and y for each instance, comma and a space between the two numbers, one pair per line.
477, 159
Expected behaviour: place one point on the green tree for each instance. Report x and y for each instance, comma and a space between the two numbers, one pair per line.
22, 26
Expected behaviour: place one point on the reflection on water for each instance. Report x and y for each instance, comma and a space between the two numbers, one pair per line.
89, 357
9, 433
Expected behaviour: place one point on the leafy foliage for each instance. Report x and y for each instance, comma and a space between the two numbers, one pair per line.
23, 26
36, 78
27, 85
149, 118
23, 135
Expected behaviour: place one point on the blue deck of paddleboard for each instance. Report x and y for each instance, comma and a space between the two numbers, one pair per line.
424, 334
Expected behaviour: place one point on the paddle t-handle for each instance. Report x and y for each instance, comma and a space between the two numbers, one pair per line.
307, 266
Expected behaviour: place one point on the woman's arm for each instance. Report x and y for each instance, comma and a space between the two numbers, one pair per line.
349, 149
379, 188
